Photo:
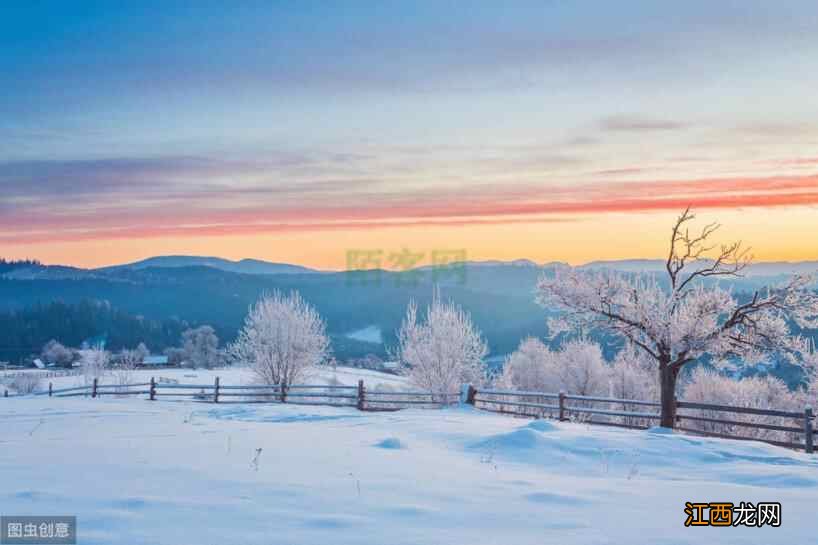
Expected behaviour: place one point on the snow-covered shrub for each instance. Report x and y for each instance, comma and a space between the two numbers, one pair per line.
93, 363
123, 371
442, 352
582, 371
282, 338
707, 386
56, 353
582, 368
633, 376
25, 383
577, 368
530, 368
201, 347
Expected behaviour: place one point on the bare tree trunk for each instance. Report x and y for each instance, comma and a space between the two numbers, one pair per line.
667, 381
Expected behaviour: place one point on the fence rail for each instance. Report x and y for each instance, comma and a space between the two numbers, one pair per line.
633, 415
40, 374
609, 411
296, 394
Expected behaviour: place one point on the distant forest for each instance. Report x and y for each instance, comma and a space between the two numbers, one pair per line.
24, 332
6, 266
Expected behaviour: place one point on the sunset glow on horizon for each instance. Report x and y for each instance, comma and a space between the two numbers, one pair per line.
294, 132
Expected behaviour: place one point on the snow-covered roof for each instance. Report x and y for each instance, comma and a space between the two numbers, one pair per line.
155, 360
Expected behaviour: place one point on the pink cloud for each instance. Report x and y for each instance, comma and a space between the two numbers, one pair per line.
372, 210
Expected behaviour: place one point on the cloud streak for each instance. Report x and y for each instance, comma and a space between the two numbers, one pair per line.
636, 123
348, 204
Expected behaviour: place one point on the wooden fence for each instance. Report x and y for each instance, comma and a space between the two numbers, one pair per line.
782, 428
41, 374
297, 394
697, 418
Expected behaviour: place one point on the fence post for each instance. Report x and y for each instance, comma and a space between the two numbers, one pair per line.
153, 389
94, 389
808, 447
562, 405
360, 403
50, 389
216, 391
6, 394
471, 393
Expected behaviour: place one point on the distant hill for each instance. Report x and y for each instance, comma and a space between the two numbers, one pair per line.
48, 272
245, 266
356, 305
768, 269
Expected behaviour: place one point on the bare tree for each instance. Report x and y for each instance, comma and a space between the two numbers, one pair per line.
676, 324
201, 347
283, 337
444, 351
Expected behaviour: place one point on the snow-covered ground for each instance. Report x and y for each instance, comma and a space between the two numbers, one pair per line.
140, 472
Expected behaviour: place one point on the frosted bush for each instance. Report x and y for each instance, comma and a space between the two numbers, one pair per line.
707, 386
25, 383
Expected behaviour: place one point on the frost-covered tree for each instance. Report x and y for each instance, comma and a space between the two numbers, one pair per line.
201, 347
582, 368
530, 368
633, 376
142, 352
576, 368
56, 353
686, 319
442, 351
93, 363
127, 361
282, 338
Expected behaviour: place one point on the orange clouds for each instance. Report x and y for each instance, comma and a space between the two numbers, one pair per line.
486, 205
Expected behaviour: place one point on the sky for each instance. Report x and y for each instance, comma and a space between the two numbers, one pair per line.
301, 131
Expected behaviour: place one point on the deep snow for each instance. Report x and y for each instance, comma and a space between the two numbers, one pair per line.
140, 472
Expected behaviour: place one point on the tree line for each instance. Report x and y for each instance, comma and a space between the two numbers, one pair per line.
10, 265
25, 332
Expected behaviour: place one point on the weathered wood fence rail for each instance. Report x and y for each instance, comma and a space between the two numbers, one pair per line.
40, 374
783, 428
787, 428
295, 394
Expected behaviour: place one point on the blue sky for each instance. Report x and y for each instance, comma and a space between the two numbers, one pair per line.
260, 116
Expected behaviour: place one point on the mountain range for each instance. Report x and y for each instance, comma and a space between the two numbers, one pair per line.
206, 290
260, 267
